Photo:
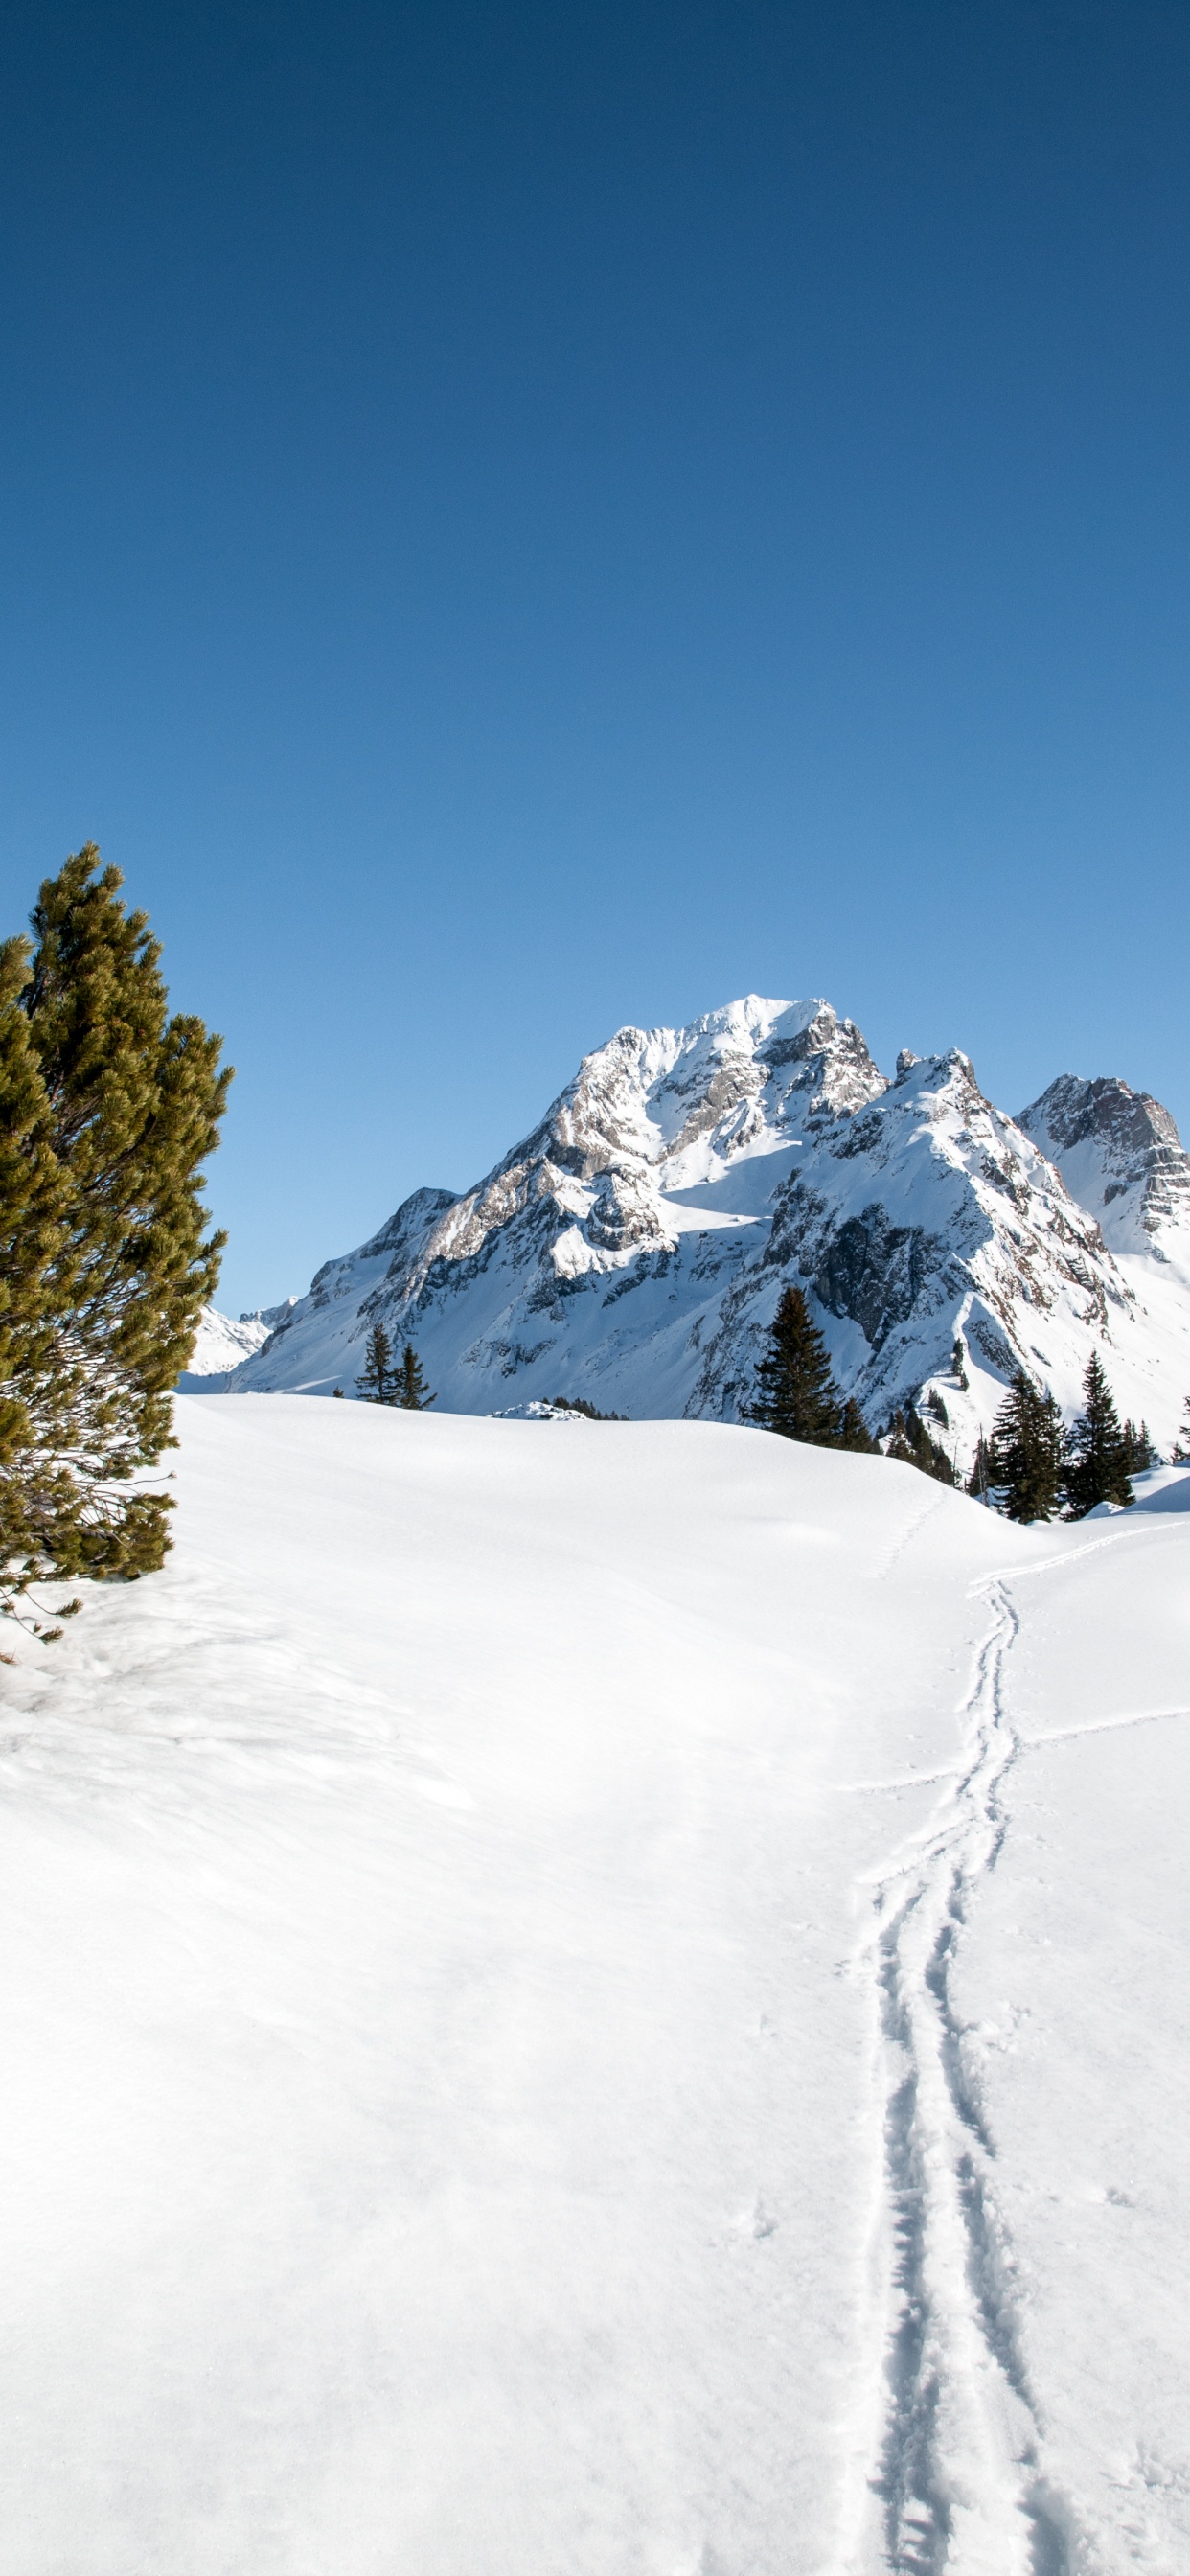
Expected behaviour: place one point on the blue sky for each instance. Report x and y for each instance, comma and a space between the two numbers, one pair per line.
517, 519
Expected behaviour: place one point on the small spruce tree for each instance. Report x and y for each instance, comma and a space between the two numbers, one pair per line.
958, 1362
410, 1383
1181, 1447
1096, 1453
377, 1378
796, 1394
1025, 1462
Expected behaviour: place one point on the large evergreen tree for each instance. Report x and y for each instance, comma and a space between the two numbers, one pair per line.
32, 1232
128, 1107
1025, 1461
795, 1392
411, 1384
1097, 1450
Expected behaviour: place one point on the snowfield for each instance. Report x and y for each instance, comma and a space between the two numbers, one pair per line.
597, 2000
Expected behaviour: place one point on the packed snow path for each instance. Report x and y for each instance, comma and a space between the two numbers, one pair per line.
597, 1998
958, 2475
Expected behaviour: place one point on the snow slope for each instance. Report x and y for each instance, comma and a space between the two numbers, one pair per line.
596, 1997
633, 1248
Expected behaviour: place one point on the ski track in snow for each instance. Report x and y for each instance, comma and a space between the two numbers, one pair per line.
956, 2483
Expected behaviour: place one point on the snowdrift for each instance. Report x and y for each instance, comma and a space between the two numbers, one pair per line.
596, 1997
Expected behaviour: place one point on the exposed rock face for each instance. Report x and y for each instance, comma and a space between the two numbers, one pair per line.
632, 1249
1122, 1158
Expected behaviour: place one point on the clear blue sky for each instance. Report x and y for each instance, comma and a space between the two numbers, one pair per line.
520, 518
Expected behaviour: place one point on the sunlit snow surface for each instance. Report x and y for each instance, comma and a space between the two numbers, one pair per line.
597, 1998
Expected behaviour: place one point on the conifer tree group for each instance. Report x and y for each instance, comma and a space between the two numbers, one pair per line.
385, 1380
108, 1108
1025, 1461
1031, 1468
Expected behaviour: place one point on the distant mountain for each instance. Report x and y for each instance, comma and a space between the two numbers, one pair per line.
220, 1345
631, 1250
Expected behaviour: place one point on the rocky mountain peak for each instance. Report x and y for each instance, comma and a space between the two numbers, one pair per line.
1120, 1155
631, 1250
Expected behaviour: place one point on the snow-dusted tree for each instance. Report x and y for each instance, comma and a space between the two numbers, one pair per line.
1025, 1462
378, 1376
410, 1383
121, 1106
795, 1391
1096, 1465
1181, 1449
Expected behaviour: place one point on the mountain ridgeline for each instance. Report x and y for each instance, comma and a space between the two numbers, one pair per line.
634, 1247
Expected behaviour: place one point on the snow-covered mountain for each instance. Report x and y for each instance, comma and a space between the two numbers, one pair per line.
221, 1345
631, 1250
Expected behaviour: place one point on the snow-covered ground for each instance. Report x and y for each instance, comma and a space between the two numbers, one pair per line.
597, 2000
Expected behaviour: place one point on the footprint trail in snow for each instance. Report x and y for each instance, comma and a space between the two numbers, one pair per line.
958, 2483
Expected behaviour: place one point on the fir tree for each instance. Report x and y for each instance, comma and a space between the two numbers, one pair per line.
795, 1392
958, 1362
1025, 1462
1096, 1461
130, 1107
1181, 1447
378, 1376
410, 1383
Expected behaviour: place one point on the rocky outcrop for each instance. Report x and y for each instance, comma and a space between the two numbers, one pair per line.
1121, 1157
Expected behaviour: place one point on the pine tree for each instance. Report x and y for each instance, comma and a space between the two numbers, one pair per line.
1181, 1448
1096, 1462
32, 1234
1025, 1461
795, 1392
411, 1385
130, 1107
378, 1377
958, 1362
